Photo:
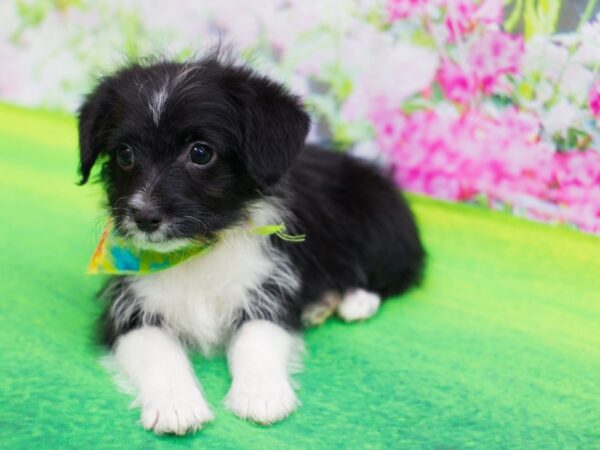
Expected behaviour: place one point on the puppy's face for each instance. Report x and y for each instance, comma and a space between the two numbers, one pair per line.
187, 148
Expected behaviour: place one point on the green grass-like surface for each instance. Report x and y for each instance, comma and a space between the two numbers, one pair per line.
499, 349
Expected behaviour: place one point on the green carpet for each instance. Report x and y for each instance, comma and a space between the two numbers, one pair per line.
499, 349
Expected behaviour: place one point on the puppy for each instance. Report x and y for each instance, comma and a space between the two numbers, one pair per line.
210, 149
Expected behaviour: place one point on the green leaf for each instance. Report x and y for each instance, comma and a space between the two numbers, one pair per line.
540, 17
514, 17
587, 13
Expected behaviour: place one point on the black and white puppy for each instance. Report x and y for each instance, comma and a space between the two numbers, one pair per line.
205, 149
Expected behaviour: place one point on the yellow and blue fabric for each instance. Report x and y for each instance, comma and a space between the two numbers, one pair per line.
116, 255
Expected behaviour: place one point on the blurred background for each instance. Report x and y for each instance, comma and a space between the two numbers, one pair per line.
483, 101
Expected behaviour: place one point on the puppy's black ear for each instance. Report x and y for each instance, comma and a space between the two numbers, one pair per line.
275, 128
92, 124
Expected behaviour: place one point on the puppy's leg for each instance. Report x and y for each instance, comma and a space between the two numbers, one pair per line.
260, 356
358, 304
169, 394
317, 313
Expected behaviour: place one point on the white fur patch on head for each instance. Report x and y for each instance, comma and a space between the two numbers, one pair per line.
358, 305
261, 357
139, 200
158, 100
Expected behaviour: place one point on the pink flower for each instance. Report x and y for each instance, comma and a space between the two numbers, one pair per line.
400, 9
390, 124
576, 168
458, 158
490, 12
501, 157
489, 59
457, 84
494, 55
464, 16
594, 100
575, 185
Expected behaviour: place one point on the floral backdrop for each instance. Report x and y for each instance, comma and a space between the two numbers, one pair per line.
480, 101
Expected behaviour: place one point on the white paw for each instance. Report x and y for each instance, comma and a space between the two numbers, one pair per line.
263, 399
178, 413
358, 305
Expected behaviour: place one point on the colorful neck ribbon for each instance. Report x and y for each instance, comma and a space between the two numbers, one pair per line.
116, 255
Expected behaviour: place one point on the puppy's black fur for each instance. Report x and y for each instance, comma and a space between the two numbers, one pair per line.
359, 231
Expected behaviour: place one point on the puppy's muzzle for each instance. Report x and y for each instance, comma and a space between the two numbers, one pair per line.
147, 219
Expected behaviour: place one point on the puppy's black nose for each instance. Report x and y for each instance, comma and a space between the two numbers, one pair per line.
147, 219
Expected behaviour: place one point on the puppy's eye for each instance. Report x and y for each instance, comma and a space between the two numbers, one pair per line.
201, 154
125, 157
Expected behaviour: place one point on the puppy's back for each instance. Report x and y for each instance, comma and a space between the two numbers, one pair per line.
360, 231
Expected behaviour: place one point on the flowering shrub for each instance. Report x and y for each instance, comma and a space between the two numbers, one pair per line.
504, 122
439, 90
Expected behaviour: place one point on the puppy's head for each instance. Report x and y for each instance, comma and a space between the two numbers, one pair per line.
186, 148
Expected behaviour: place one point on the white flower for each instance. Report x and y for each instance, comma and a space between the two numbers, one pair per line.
561, 117
544, 91
10, 20
589, 50
575, 81
369, 151
546, 57
393, 74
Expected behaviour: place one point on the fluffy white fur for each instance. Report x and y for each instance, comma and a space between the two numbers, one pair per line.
198, 301
358, 305
261, 357
168, 392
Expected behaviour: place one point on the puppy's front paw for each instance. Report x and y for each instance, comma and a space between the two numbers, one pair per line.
263, 399
177, 413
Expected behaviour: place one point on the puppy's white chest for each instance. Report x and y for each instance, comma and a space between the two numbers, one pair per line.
200, 299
